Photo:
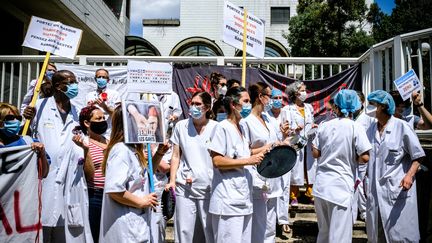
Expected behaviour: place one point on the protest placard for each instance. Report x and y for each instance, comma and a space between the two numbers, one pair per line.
149, 77
53, 37
143, 122
233, 30
407, 84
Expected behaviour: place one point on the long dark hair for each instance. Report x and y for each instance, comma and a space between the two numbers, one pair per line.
207, 101
255, 90
214, 79
117, 136
232, 96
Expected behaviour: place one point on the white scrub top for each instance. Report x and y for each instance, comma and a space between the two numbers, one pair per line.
232, 189
56, 136
113, 97
339, 141
171, 105
121, 223
390, 159
258, 136
195, 160
291, 114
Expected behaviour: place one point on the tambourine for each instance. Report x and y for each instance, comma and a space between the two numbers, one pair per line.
168, 203
279, 161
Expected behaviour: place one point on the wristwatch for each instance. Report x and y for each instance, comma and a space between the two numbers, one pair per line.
419, 105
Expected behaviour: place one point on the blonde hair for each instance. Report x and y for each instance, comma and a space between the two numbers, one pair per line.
5, 108
117, 136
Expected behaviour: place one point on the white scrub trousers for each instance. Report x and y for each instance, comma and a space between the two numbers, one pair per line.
335, 223
264, 220
232, 229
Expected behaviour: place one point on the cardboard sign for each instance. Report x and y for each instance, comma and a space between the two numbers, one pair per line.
233, 30
143, 122
53, 37
149, 77
407, 84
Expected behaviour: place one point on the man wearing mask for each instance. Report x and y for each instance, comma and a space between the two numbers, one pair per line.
102, 97
45, 89
404, 111
218, 85
64, 197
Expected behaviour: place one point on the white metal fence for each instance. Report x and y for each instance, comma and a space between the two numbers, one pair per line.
381, 64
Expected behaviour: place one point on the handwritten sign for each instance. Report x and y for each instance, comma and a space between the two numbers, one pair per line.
233, 30
53, 37
149, 77
407, 83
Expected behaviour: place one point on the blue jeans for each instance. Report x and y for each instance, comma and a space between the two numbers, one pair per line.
95, 208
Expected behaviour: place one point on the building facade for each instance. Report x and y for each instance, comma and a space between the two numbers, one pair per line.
105, 23
198, 32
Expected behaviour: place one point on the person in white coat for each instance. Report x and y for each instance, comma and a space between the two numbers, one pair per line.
127, 198
394, 160
300, 117
191, 171
340, 144
231, 198
64, 205
282, 204
262, 130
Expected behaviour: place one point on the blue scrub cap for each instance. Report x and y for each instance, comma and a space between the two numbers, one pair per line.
348, 101
384, 98
276, 92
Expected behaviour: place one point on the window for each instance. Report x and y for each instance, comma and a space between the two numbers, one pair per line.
279, 15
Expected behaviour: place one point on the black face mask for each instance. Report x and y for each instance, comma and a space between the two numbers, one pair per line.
99, 127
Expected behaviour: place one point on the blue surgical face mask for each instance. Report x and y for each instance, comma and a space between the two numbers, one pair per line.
406, 112
268, 106
49, 75
101, 82
277, 103
72, 90
246, 110
221, 116
11, 128
195, 112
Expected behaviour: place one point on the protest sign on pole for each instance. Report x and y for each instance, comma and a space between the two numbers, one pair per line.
149, 77
407, 84
51, 37
243, 31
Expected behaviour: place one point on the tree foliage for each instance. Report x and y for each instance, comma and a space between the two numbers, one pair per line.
329, 28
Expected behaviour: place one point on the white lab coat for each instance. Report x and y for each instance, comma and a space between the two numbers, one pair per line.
292, 115
231, 189
265, 200
171, 105
121, 223
390, 158
339, 141
64, 190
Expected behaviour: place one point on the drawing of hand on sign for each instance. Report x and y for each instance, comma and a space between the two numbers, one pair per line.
145, 126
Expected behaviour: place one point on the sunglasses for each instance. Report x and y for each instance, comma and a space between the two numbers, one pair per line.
12, 117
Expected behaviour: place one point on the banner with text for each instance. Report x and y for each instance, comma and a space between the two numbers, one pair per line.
19, 210
149, 77
233, 30
53, 37
407, 83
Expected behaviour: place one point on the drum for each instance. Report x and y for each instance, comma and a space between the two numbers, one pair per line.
168, 203
279, 161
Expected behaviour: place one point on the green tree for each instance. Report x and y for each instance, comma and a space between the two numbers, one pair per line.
329, 28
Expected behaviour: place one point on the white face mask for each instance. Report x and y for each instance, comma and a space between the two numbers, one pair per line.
303, 95
371, 110
222, 90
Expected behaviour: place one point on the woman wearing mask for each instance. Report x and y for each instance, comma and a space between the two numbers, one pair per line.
10, 125
93, 124
191, 171
218, 85
262, 132
395, 157
231, 200
282, 201
126, 199
300, 117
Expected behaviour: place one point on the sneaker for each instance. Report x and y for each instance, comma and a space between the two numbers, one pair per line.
294, 202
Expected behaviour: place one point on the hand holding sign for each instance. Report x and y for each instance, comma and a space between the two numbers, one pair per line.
407, 83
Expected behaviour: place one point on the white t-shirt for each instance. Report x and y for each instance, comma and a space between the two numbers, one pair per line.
195, 160
259, 135
339, 140
232, 188
121, 223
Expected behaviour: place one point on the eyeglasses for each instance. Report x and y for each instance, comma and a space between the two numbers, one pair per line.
264, 94
102, 77
12, 117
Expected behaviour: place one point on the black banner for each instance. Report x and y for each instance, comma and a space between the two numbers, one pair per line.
188, 80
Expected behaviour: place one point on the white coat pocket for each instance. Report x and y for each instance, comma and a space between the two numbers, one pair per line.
74, 216
395, 192
394, 154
